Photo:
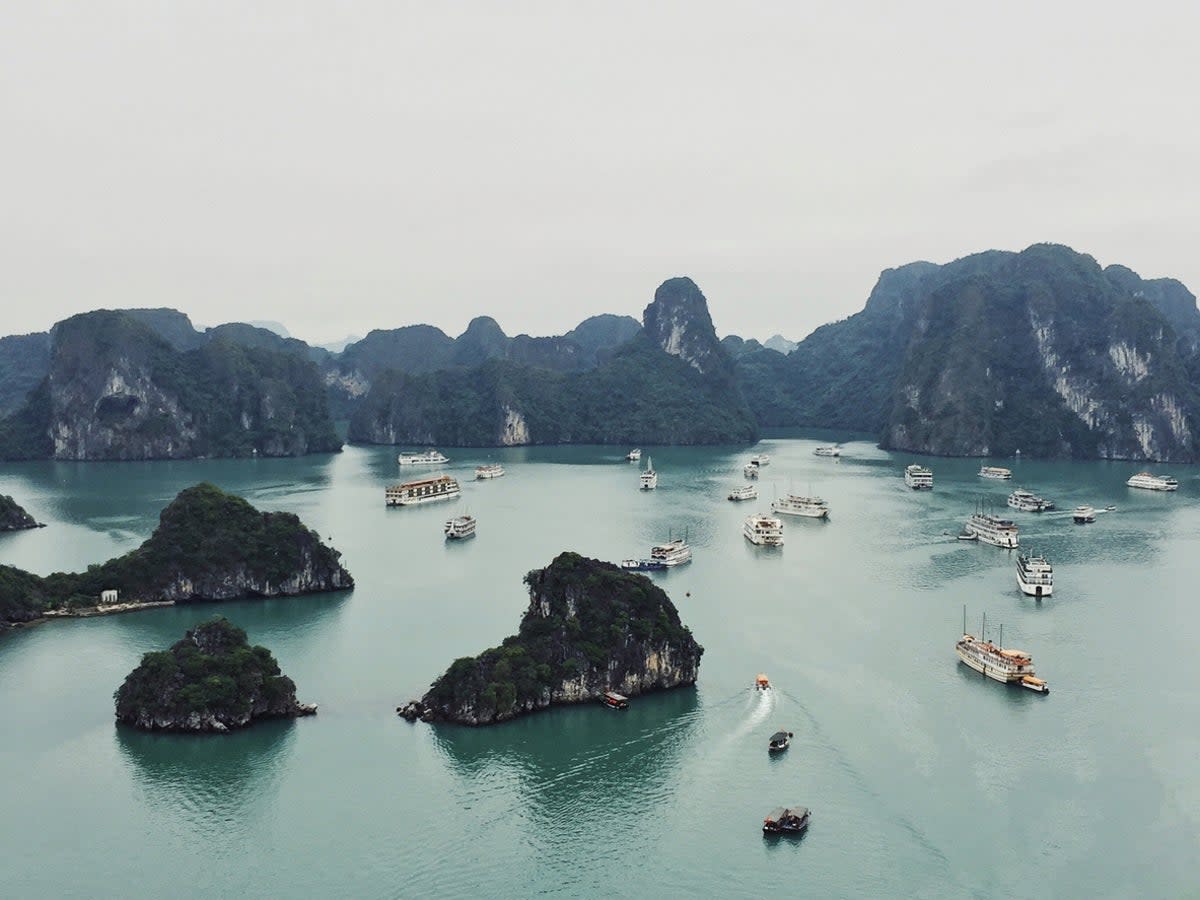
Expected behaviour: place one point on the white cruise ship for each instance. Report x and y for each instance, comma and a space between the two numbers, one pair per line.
750, 470
1005, 666
993, 530
918, 478
423, 490
461, 527
829, 450
489, 470
672, 553
794, 505
761, 460
430, 457
634, 455
749, 492
1148, 482
649, 478
1035, 575
994, 472
1028, 501
763, 530
1084, 515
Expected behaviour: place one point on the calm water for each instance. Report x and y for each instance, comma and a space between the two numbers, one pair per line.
925, 781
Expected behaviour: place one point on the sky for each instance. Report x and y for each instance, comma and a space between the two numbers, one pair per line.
339, 167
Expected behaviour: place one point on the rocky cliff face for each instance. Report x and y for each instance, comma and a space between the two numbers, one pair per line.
677, 320
13, 517
589, 628
118, 390
211, 681
1041, 352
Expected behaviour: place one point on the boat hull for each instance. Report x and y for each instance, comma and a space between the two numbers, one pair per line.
996, 673
1034, 590
417, 501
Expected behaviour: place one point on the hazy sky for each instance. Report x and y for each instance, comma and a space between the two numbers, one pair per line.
345, 166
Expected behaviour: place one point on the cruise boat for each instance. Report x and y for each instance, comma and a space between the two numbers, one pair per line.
429, 457
780, 740
672, 553
750, 470
763, 530
643, 565
1028, 501
649, 478
829, 450
423, 490
489, 470
793, 505
1035, 575
460, 527
634, 455
613, 700
992, 660
1083, 515
993, 530
994, 472
749, 492
761, 460
1148, 482
787, 820
918, 478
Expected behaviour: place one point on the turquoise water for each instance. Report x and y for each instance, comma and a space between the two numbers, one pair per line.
924, 780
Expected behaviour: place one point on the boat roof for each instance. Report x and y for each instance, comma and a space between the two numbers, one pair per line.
435, 479
781, 812
779, 736
613, 695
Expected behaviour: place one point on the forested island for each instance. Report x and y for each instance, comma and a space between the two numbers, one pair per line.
13, 516
211, 681
208, 546
590, 627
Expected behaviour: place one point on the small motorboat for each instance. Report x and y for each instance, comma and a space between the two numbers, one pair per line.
1035, 684
1083, 515
968, 537
634, 455
1109, 508
642, 565
614, 701
779, 741
750, 470
787, 820
761, 683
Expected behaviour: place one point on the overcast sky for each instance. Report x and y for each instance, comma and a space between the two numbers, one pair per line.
346, 166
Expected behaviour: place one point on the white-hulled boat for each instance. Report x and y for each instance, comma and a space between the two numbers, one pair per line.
828, 450
649, 478
761, 460
460, 527
1005, 666
918, 478
993, 530
1083, 515
489, 470
672, 553
1035, 575
1148, 482
634, 455
994, 472
1028, 501
749, 492
429, 457
795, 505
750, 470
763, 530
423, 490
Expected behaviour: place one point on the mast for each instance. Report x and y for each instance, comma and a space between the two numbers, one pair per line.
1001, 644
964, 631
983, 629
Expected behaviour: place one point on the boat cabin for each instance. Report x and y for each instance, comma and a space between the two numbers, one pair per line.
614, 701
786, 819
761, 683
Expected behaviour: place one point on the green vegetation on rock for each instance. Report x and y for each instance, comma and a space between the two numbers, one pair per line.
13, 517
212, 680
209, 545
590, 627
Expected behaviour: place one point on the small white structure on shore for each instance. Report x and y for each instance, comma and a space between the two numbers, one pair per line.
109, 596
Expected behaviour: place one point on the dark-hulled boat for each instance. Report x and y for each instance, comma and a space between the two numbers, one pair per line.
787, 820
779, 741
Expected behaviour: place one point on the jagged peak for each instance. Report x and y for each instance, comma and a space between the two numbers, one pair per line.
678, 321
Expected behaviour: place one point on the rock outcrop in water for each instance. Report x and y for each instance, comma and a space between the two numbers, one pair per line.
211, 681
209, 545
13, 517
589, 628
